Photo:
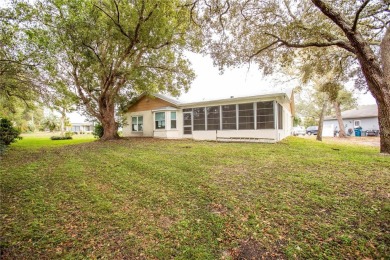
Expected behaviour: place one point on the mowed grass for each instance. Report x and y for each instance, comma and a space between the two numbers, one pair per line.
163, 199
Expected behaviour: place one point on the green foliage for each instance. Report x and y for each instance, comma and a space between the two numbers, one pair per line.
107, 49
68, 134
61, 138
98, 131
51, 122
8, 134
21, 59
297, 121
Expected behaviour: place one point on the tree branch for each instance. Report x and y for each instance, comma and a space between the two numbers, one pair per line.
335, 17
113, 20
358, 13
263, 49
339, 43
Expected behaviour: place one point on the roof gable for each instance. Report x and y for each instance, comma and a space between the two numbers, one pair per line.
144, 103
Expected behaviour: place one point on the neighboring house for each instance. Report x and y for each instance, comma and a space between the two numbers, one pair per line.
79, 128
263, 118
365, 117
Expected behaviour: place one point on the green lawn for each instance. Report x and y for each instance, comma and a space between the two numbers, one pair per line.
162, 199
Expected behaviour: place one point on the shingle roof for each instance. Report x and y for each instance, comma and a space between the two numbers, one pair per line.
360, 112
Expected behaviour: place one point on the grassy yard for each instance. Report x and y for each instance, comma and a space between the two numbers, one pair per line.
161, 199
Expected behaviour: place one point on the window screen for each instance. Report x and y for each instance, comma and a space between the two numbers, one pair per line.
229, 117
246, 119
280, 116
265, 115
199, 118
213, 121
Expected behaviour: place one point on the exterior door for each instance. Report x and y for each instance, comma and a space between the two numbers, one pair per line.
187, 122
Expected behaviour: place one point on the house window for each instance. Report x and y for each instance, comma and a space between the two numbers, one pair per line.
199, 118
246, 118
265, 115
213, 120
137, 123
280, 116
229, 117
173, 120
356, 123
160, 120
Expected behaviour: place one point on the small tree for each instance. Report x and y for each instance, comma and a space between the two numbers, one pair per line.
8, 134
51, 122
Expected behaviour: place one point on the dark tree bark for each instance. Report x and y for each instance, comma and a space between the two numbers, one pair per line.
339, 120
107, 115
321, 123
375, 70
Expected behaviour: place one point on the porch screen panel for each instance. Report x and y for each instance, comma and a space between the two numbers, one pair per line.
199, 118
265, 115
280, 116
213, 122
229, 117
246, 117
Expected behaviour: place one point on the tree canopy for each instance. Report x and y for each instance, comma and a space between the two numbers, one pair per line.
274, 34
106, 50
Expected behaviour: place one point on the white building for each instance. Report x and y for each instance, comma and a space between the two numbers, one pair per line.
364, 117
262, 118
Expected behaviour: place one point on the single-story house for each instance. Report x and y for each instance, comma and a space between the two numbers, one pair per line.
261, 118
80, 128
364, 117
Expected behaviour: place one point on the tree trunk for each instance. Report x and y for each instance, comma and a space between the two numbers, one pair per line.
384, 125
384, 106
378, 81
63, 118
110, 127
376, 70
321, 123
339, 120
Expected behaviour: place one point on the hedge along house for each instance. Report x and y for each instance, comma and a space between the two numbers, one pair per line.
262, 118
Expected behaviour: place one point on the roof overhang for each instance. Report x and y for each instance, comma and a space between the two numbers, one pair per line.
235, 100
165, 109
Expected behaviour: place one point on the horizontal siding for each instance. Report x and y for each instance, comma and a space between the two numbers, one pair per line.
149, 103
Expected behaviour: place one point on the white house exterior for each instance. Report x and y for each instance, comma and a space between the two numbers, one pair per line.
262, 118
364, 117
85, 127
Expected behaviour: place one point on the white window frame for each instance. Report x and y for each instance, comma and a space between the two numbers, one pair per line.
354, 123
165, 122
173, 119
138, 131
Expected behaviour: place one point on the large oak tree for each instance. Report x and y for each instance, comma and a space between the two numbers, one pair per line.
267, 32
107, 49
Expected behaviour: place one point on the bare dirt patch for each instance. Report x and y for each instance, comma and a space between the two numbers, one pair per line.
253, 250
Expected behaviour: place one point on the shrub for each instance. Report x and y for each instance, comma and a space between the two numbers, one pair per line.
98, 131
60, 137
8, 134
68, 134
